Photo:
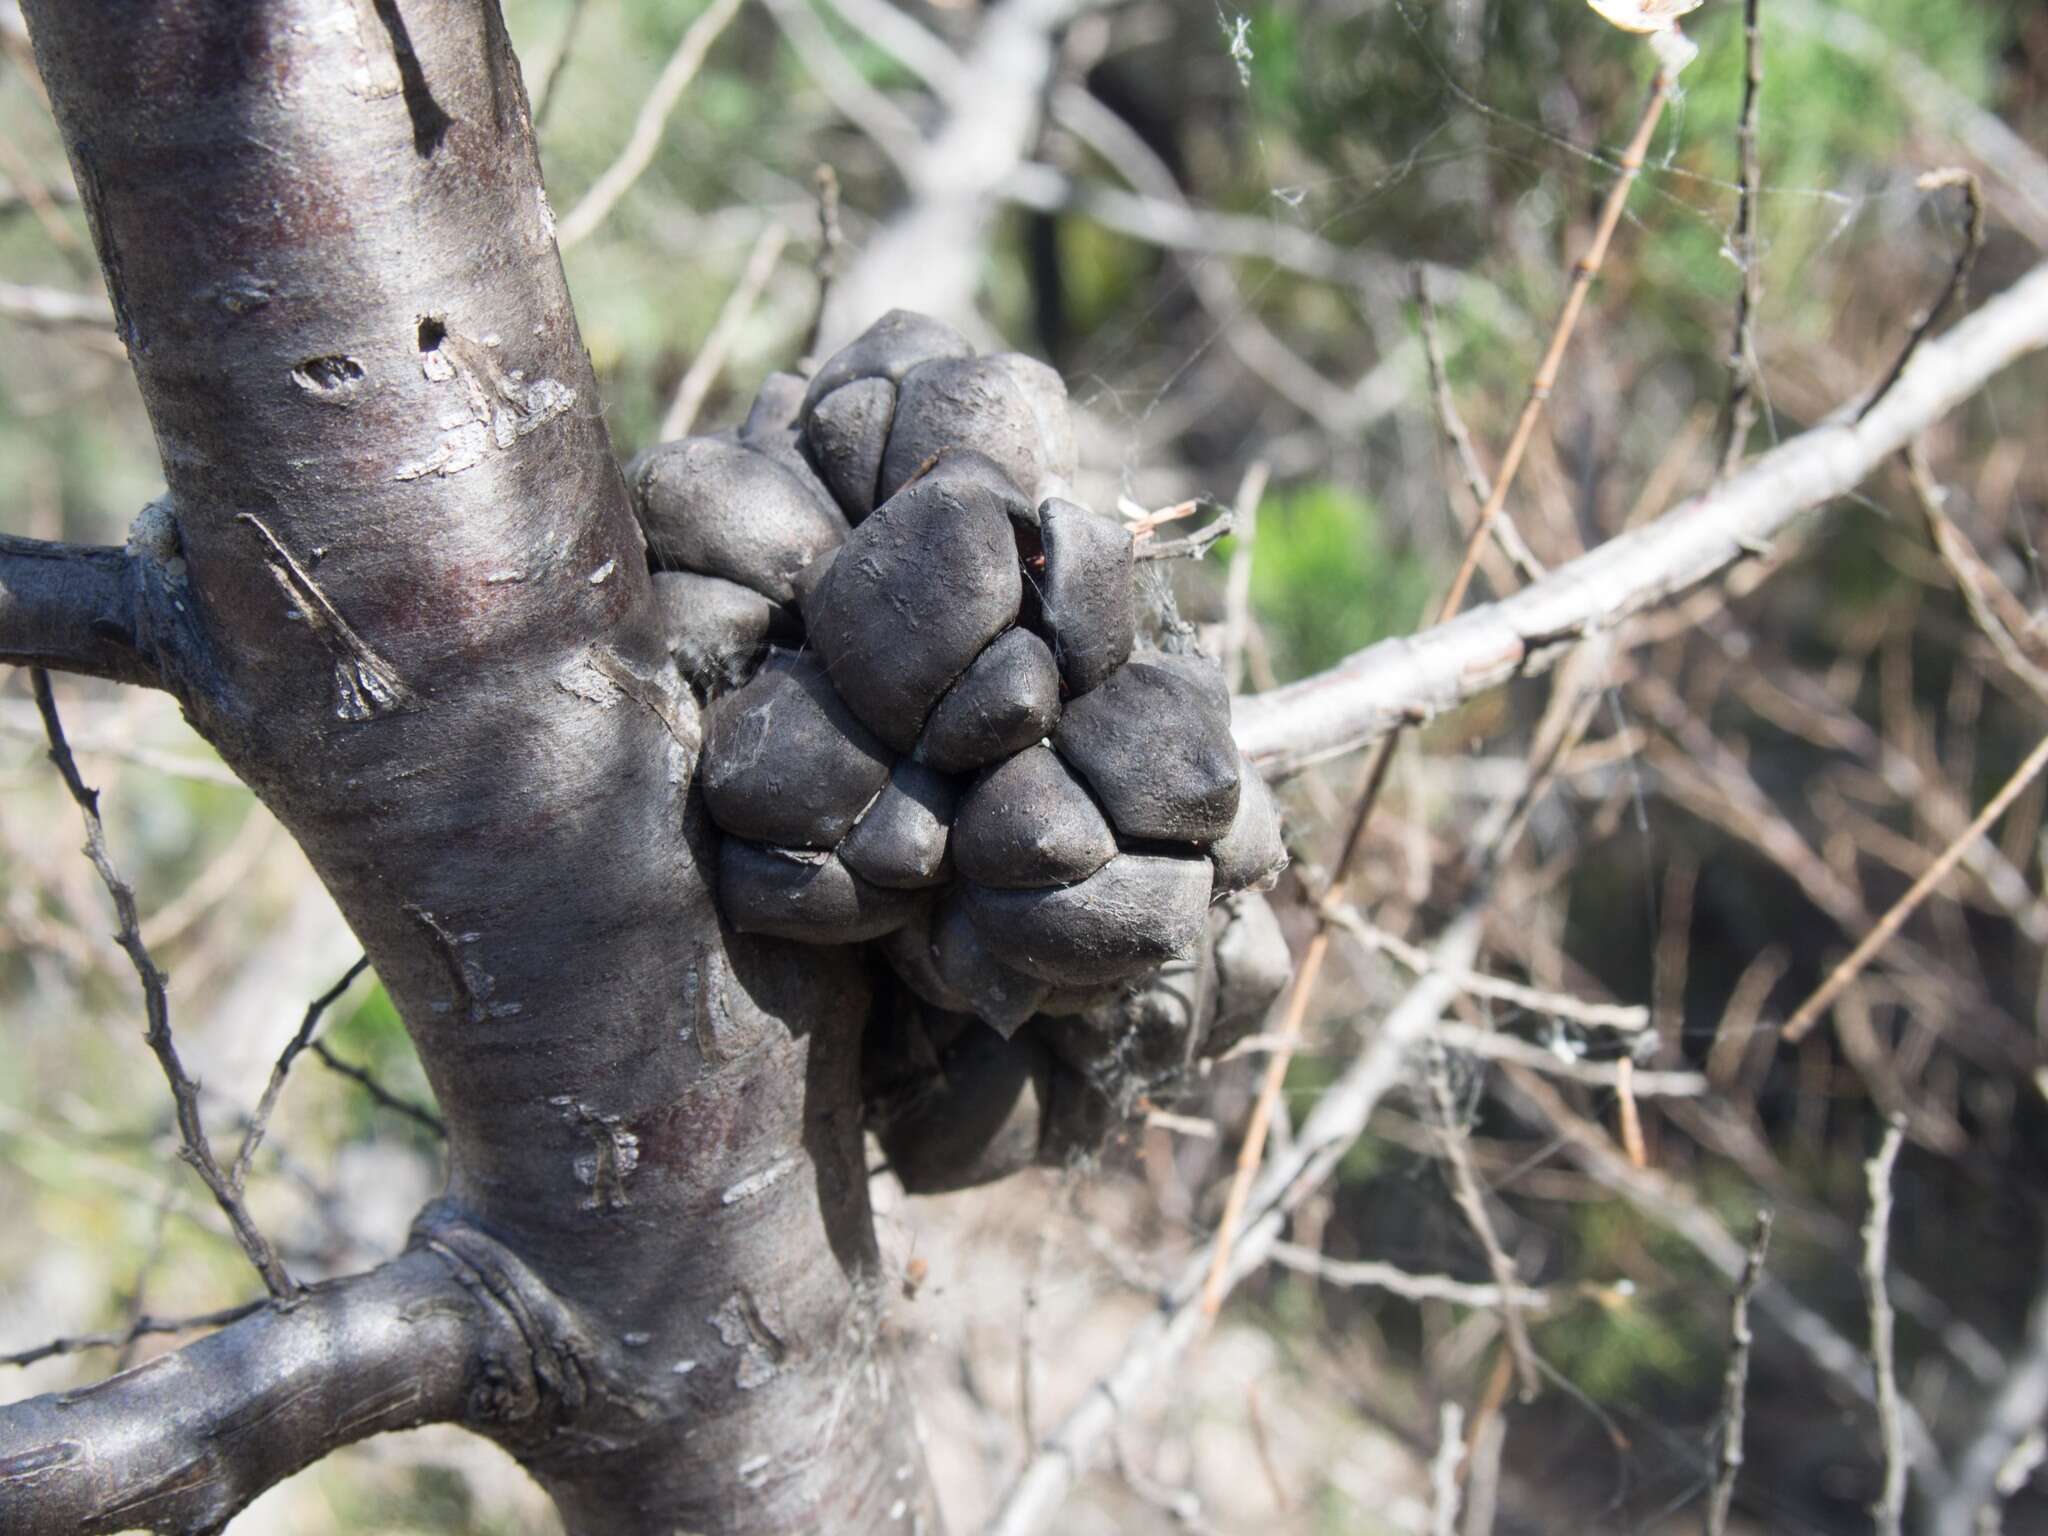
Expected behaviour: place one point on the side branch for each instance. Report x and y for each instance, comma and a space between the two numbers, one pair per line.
183, 1442
1418, 676
70, 608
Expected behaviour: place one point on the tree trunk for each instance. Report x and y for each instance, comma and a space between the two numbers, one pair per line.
397, 583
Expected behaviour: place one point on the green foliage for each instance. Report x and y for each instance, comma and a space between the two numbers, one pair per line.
1327, 578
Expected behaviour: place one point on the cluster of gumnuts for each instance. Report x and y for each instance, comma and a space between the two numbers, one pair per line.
932, 724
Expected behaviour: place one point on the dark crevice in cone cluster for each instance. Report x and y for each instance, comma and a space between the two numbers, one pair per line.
931, 724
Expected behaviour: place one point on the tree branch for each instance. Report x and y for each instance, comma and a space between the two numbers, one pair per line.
1419, 676
183, 1442
70, 608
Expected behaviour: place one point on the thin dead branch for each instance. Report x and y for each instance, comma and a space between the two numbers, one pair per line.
1471, 1200
613, 182
1851, 966
193, 1145
1890, 1509
1745, 367
732, 316
1735, 1384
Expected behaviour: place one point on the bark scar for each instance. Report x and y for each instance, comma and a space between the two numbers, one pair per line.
473, 984
366, 686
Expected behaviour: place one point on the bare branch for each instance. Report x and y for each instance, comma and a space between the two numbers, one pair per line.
1735, 1385
1852, 964
183, 1442
638, 153
142, 1327
379, 1094
1890, 1509
252, 1138
710, 359
1419, 676
1745, 367
2011, 1414
54, 308
1332, 1127
1443, 1471
1958, 276
71, 608
1472, 1202
194, 1147
1679, 1210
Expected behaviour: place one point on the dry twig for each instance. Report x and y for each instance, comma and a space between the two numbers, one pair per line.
1745, 368
710, 359
1890, 1509
1735, 1385
193, 1145
1472, 1202
1851, 965
638, 153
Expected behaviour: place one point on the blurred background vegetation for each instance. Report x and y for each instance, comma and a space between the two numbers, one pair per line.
1748, 794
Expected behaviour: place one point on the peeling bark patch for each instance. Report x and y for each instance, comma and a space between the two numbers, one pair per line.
613, 1156
759, 1182
366, 686
742, 1326
473, 984
753, 1472
497, 409
27, 1466
430, 124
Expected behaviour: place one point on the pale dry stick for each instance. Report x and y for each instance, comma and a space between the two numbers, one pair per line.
1587, 268
23, 721
1415, 678
1852, 965
2000, 615
1237, 580
1631, 1116
1495, 1045
1745, 368
2005, 1436
1678, 1208
193, 1145
1443, 1471
1471, 1202
1375, 776
29, 187
1629, 1018
54, 308
612, 183
1482, 1475
1958, 277
1506, 532
1167, 1333
1371, 1274
710, 359
120, 1338
1735, 1384
1890, 1508
259, 1123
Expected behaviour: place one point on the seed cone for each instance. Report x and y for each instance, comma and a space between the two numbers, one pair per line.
931, 724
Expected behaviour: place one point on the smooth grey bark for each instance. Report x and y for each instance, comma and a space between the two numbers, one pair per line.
397, 583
